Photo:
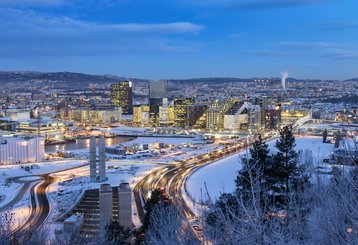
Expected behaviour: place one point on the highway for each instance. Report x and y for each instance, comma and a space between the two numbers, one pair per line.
40, 206
173, 178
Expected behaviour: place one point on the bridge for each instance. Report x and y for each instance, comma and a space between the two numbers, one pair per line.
303, 120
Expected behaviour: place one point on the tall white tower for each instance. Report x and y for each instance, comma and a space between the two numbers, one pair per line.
93, 160
102, 159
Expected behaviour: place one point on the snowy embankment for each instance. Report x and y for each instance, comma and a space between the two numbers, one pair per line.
219, 177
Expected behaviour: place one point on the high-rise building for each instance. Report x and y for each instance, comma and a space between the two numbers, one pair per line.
154, 104
263, 103
180, 106
125, 205
141, 115
102, 159
214, 118
157, 93
254, 117
122, 96
166, 116
93, 159
196, 115
157, 89
273, 118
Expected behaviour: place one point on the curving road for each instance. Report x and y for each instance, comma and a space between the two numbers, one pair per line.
40, 205
173, 178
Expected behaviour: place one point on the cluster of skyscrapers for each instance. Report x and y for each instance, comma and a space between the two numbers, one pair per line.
186, 112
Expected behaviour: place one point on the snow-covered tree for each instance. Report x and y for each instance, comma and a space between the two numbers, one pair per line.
167, 226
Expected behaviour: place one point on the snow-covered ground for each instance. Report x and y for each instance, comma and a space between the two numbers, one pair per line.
8, 190
180, 148
70, 184
219, 177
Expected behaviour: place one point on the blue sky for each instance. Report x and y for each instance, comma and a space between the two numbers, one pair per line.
159, 39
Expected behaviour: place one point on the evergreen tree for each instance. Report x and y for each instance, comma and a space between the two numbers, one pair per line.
116, 234
285, 161
157, 197
325, 134
254, 167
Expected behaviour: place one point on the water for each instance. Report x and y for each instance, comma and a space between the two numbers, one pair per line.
84, 144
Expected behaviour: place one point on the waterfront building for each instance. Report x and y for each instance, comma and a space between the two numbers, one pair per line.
166, 116
21, 149
157, 98
236, 118
196, 116
122, 96
141, 115
95, 116
157, 89
180, 108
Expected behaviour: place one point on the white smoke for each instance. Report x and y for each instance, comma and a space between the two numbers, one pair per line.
284, 76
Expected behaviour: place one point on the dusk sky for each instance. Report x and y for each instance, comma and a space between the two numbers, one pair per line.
163, 39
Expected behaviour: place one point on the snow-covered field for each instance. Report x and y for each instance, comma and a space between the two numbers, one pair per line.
219, 177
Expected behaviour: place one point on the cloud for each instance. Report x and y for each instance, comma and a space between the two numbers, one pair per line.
334, 26
27, 33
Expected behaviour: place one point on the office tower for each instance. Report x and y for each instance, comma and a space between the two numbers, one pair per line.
214, 118
263, 103
141, 115
122, 96
102, 159
196, 116
157, 92
180, 111
93, 160
157, 89
154, 104
125, 205
105, 206
166, 116
254, 117
273, 118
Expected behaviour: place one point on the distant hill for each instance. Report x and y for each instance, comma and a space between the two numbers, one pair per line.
81, 80
353, 79
70, 78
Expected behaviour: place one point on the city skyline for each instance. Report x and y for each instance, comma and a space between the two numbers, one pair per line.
181, 39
